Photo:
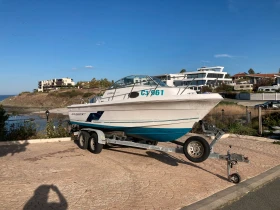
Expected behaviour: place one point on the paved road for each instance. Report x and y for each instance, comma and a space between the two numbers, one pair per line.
266, 197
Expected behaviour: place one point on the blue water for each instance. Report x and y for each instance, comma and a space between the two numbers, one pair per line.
39, 123
2, 97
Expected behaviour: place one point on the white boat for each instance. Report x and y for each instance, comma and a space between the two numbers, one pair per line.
144, 107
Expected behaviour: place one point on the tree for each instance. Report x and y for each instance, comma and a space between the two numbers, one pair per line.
3, 118
183, 70
224, 88
263, 82
206, 89
251, 71
227, 76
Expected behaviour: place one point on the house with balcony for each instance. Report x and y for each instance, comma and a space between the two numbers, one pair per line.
53, 84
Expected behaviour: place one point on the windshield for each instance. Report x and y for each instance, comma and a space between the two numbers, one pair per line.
161, 83
137, 80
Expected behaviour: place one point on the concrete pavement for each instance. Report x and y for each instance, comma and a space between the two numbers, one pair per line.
62, 176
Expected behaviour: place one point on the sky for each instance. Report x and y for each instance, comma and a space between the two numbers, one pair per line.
85, 39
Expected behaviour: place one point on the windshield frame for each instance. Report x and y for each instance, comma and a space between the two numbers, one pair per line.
138, 80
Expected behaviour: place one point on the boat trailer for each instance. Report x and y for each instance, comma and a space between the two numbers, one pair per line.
195, 148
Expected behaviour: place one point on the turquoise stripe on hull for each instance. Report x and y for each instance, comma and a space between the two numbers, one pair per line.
154, 134
157, 134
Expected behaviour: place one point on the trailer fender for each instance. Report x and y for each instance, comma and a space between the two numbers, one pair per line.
99, 133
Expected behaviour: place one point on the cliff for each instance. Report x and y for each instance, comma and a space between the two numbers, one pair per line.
54, 99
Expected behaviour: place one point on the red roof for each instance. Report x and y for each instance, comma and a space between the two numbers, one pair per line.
255, 75
262, 75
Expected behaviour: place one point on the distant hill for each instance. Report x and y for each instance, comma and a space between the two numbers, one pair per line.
55, 99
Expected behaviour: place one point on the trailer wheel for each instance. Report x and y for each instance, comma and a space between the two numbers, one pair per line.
234, 178
83, 139
93, 144
154, 143
196, 149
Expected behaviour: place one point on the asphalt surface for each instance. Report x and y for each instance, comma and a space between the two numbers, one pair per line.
266, 197
232, 197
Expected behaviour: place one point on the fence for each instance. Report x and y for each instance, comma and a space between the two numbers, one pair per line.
251, 122
258, 96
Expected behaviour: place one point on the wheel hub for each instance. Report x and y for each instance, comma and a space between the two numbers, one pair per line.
195, 149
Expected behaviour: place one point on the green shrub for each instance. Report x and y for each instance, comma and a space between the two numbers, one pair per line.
3, 118
206, 89
227, 103
224, 88
86, 95
24, 92
21, 131
70, 94
272, 119
241, 129
56, 132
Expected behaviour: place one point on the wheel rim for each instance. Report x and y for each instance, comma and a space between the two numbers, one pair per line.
82, 140
195, 149
92, 146
234, 178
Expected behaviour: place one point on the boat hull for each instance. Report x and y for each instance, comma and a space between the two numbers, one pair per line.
152, 120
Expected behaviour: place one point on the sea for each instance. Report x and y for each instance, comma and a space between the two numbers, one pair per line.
39, 121
2, 97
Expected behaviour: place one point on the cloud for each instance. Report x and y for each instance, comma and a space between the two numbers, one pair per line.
100, 43
223, 56
89, 67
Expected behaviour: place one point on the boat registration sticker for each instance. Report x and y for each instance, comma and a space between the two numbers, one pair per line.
152, 92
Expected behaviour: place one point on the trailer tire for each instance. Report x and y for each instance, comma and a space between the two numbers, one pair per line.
234, 178
93, 145
196, 149
154, 143
83, 139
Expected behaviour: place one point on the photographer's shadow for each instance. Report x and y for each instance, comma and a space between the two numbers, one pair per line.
41, 196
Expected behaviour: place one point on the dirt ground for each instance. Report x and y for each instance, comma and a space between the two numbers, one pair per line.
62, 176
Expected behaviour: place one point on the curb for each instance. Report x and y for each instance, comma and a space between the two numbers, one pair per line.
230, 135
235, 192
252, 138
32, 141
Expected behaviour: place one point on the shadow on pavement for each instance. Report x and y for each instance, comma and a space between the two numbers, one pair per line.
12, 149
173, 161
41, 196
168, 159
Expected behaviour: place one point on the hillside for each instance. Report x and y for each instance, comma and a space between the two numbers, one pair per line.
54, 99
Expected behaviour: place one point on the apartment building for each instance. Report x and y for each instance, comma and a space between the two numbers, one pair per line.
54, 84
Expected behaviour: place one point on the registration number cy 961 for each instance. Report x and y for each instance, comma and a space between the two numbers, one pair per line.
152, 92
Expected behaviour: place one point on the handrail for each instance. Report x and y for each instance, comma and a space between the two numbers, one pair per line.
187, 86
154, 90
131, 90
124, 94
113, 94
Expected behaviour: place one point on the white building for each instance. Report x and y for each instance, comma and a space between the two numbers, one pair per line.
205, 76
54, 84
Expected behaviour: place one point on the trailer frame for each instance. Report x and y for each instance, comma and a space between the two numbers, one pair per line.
231, 159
